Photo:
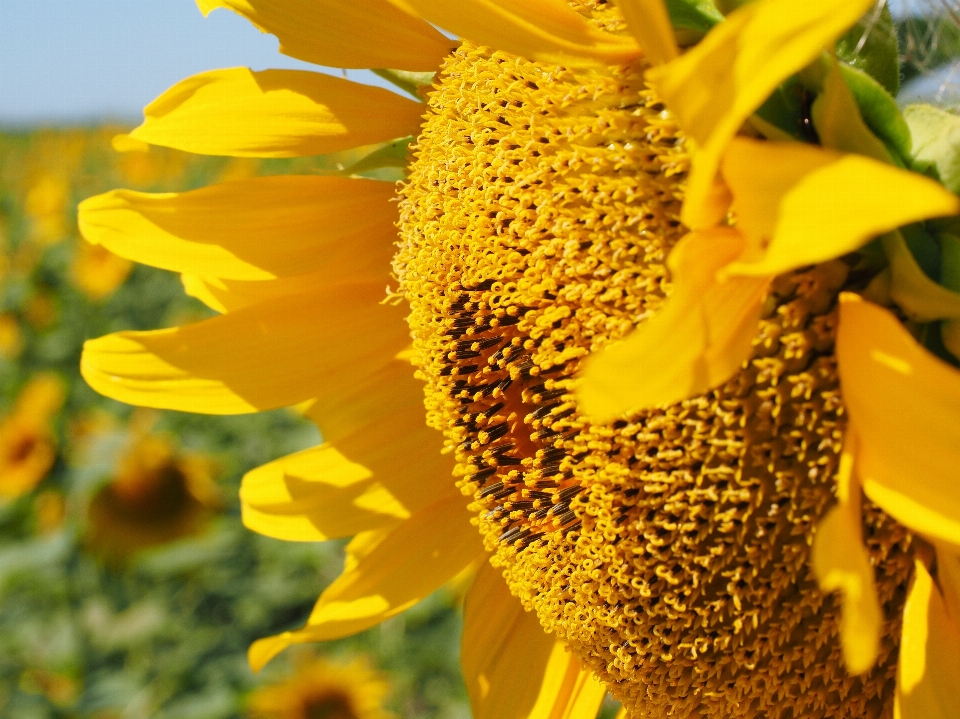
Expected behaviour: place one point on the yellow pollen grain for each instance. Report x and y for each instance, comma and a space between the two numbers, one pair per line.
670, 549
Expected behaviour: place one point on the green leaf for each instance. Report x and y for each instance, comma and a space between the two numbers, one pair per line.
936, 143
871, 46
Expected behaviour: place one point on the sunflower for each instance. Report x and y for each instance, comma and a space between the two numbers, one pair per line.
97, 272
156, 495
660, 271
28, 445
322, 690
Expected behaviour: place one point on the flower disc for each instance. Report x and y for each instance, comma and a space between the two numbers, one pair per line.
670, 549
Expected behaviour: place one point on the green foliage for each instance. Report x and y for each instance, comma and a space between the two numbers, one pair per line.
871, 46
163, 636
936, 143
927, 43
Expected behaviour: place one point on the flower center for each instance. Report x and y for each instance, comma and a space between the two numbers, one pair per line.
330, 705
670, 549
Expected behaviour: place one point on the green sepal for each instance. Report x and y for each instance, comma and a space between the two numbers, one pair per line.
386, 161
692, 19
936, 144
410, 82
871, 46
784, 110
924, 248
950, 261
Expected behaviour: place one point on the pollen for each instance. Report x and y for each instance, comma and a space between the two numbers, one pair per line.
670, 549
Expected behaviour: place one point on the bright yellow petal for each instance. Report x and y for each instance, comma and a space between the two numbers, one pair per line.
268, 355
547, 30
359, 34
904, 405
928, 673
381, 463
208, 290
920, 297
315, 495
699, 338
568, 690
232, 295
840, 563
800, 204
838, 122
512, 668
274, 113
715, 86
252, 229
649, 22
389, 571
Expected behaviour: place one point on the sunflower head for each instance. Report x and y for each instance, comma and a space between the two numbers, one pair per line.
97, 272
670, 548
27, 440
320, 689
156, 495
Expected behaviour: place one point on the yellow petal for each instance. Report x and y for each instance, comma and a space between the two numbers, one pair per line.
838, 122
840, 563
364, 34
715, 86
904, 405
920, 297
513, 670
260, 357
387, 571
698, 339
547, 30
381, 463
274, 113
649, 22
800, 204
315, 495
231, 295
568, 691
207, 290
233, 230
928, 673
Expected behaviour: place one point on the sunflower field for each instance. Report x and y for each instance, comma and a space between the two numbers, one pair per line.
128, 587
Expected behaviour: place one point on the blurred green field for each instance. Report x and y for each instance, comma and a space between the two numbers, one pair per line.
89, 629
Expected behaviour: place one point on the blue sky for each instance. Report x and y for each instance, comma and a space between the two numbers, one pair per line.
70, 61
